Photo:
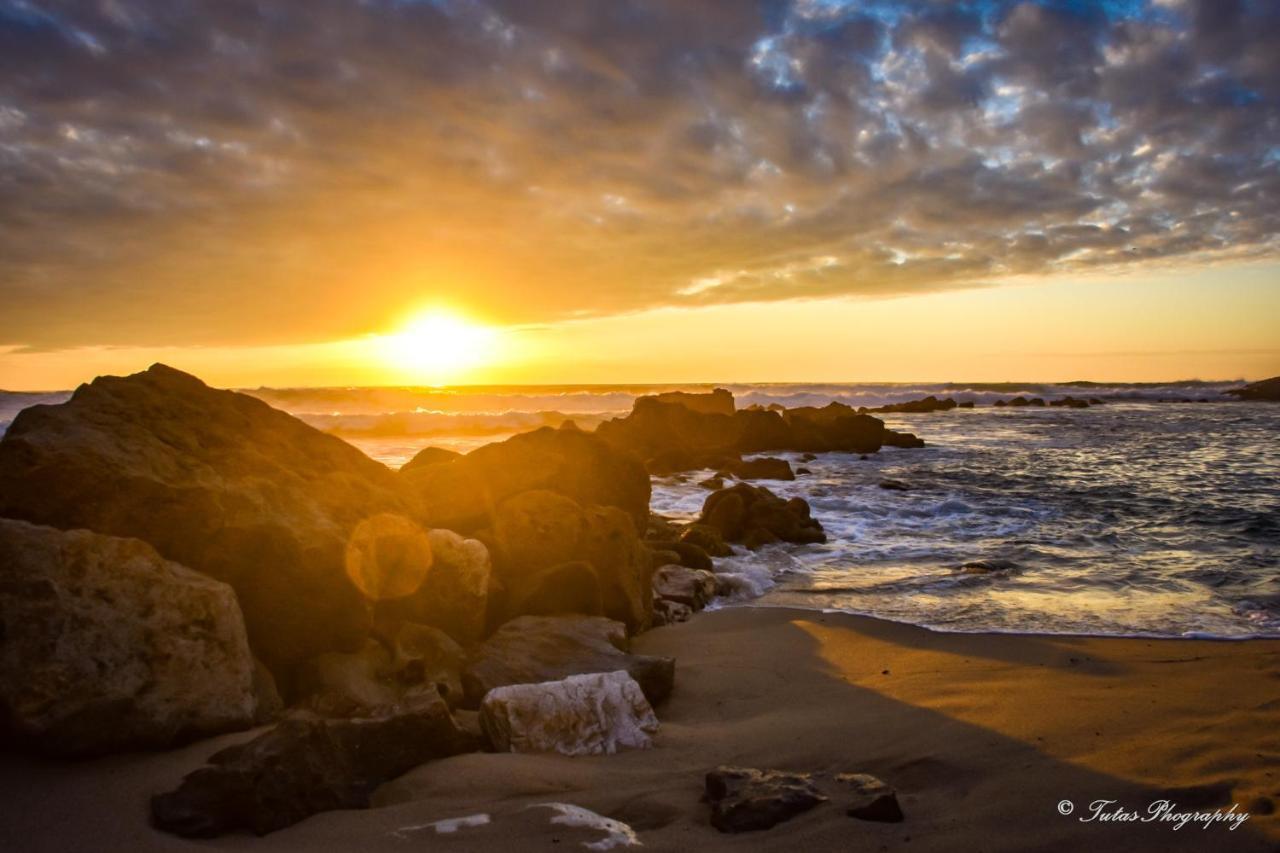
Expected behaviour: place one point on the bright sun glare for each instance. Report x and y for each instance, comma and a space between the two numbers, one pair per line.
439, 346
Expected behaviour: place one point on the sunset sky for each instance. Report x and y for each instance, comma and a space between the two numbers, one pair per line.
402, 191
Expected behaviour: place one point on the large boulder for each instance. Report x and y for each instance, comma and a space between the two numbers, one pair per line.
461, 495
834, 427
215, 480
693, 588
717, 402
533, 649
671, 434
755, 516
595, 714
107, 646
537, 530
454, 596
763, 468
564, 588
302, 767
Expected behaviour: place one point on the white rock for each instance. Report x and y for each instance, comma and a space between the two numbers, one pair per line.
594, 714
616, 833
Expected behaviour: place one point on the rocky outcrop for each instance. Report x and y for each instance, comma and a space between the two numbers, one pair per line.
461, 495
870, 798
693, 588
533, 649
106, 646
217, 481
745, 800
454, 595
834, 427
717, 402
1069, 403
1268, 390
763, 468
303, 767
904, 440
429, 456
537, 530
564, 588
708, 538
755, 516
595, 714
923, 406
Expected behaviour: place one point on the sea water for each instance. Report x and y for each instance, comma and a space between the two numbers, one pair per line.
1137, 517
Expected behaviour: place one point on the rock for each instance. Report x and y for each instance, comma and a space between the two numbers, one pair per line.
756, 516
1268, 390
537, 530
461, 495
928, 404
712, 483
987, 567
388, 556
967, 404
533, 649
565, 588
764, 468
672, 437
105, 646
595, 714
894, 485
266, 695
872, 799
691, 587
378, 681
808, 457
745, 800
1019, 401
454, 596
1000, 404
708, 538
800, 471
717, 402
758, 431
834, 427
217, 481
1070, 403
687, 554
668, 612
430, 456
661, 528
302, 767
902, 439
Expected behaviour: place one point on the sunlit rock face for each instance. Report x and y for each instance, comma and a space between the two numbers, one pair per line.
596, 714
106, 646
217, 481
462, 494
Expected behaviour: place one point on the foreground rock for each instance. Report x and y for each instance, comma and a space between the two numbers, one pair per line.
454, 596
1268, 390
217, 481
303, 767
534, 649
536, 531
871, 798
693, 588
595, 714
746, 800
755, 516
461, 494
105, 646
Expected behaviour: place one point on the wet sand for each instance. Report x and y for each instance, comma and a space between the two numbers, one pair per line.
983, 735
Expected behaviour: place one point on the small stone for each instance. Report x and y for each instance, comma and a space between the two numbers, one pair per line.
872, 798
744, 799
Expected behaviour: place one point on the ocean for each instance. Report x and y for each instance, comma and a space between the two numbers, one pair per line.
1135, 518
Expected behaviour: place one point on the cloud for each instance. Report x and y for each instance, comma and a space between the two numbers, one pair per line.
246, 171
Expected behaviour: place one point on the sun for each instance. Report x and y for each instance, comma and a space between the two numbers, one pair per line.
439, 346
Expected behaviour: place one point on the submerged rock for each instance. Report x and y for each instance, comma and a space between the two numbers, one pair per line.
302, 767
461, 495
928, 404
872, 799
105, 646
756, 516
764, 468
1268, 390
905, 440
533, 649
594, 714
745, 800
217, 481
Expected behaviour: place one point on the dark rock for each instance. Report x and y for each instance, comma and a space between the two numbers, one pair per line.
928, 404
667, 612
454, 596
708, 538
967, 404
302, 767
671, 436
834, 427
658, 559
902, 439
105, 646
1268, 390
564, 588
537, 530
1000, 404
712, 483
430, 456
756, 516
759, 431
1019, 401
533, 649
661, 528
872, 799
987, 567
691, 587
217, 481
461, 495
764, 468
688, 554
800, 471
745, 800
894, 485
717, 402
1069, 403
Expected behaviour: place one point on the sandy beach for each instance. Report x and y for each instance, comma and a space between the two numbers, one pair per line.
983, 735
